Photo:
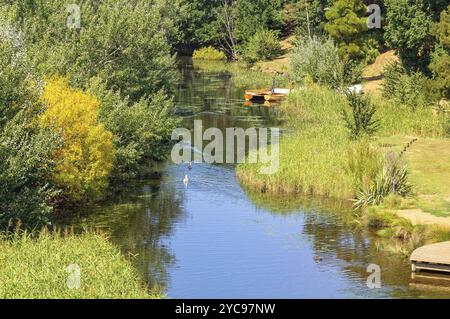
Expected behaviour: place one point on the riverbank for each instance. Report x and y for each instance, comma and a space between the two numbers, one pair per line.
319, 159
46, 267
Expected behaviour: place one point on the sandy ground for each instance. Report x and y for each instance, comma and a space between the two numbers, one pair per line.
419, 217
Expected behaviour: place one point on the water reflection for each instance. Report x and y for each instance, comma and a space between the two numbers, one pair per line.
212, 239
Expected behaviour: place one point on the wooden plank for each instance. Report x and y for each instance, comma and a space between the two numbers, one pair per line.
434, 254
432, 267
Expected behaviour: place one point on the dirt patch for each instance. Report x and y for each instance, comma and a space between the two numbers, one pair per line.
419, 217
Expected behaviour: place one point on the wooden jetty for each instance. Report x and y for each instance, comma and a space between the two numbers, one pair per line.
274, 95
434, 257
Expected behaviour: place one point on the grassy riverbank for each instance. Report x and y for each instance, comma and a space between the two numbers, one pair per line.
318, 159
37, 267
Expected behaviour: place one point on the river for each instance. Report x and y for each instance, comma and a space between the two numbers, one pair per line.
212, 239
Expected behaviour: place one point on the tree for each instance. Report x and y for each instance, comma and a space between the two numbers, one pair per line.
346, 25
141, 130
440, 64
124, 42
408, 30
86, 157
252, 15
307, 17
226, 18
25, 148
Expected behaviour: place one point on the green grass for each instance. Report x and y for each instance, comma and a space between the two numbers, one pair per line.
429, 165
36, 267
320, 159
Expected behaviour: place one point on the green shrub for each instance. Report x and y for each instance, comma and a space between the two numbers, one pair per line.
141, 130
37, 267
25, 149
209, 53
121, 41
318, 60
25, 166
392, 179
263, 45
404, 88
361, 121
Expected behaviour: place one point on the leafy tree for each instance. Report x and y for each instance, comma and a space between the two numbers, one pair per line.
319, 61
25, 148
408, 30
347, 23
440, 65
263, 45
15, 69
126, 43
252, 15
141, 130
307, 17
86, 157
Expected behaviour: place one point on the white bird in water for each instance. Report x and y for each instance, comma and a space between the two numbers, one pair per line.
186, 180
190, 165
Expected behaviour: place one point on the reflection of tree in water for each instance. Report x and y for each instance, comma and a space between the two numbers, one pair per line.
326, 225
139, 223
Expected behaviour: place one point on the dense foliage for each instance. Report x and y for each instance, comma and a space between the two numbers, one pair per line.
319, 61
86, 156
25, 148
263, 45
141, 130
60, 144
209, 53
121, 41
346, 24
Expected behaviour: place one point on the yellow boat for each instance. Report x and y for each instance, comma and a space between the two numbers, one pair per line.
266, 95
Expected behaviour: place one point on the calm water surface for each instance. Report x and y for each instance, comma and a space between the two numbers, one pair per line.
213, 240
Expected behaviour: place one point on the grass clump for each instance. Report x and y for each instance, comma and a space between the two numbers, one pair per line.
209, 53
36, 267
316, 159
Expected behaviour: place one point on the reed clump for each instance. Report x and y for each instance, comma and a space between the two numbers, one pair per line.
320, 158
37, 265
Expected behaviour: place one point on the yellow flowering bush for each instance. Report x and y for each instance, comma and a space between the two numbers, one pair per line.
85, 159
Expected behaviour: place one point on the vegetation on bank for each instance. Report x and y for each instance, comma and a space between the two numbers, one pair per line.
81, 109
40, 267
209, 54
368, 149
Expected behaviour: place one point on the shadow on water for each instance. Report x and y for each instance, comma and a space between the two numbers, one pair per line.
212, 239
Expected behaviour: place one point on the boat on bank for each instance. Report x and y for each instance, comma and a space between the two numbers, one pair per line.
276, 94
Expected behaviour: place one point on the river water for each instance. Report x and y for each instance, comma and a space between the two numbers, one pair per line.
212, 239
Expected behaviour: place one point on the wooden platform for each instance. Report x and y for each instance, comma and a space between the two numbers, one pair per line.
435, 257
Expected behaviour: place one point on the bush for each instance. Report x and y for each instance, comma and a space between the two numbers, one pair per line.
25, 149
392, 179
263, 45
141, 130
15, 73
404, 88
209, 53
318, 60
37, 267
361, 121
121, 41
87, 154
25, 164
